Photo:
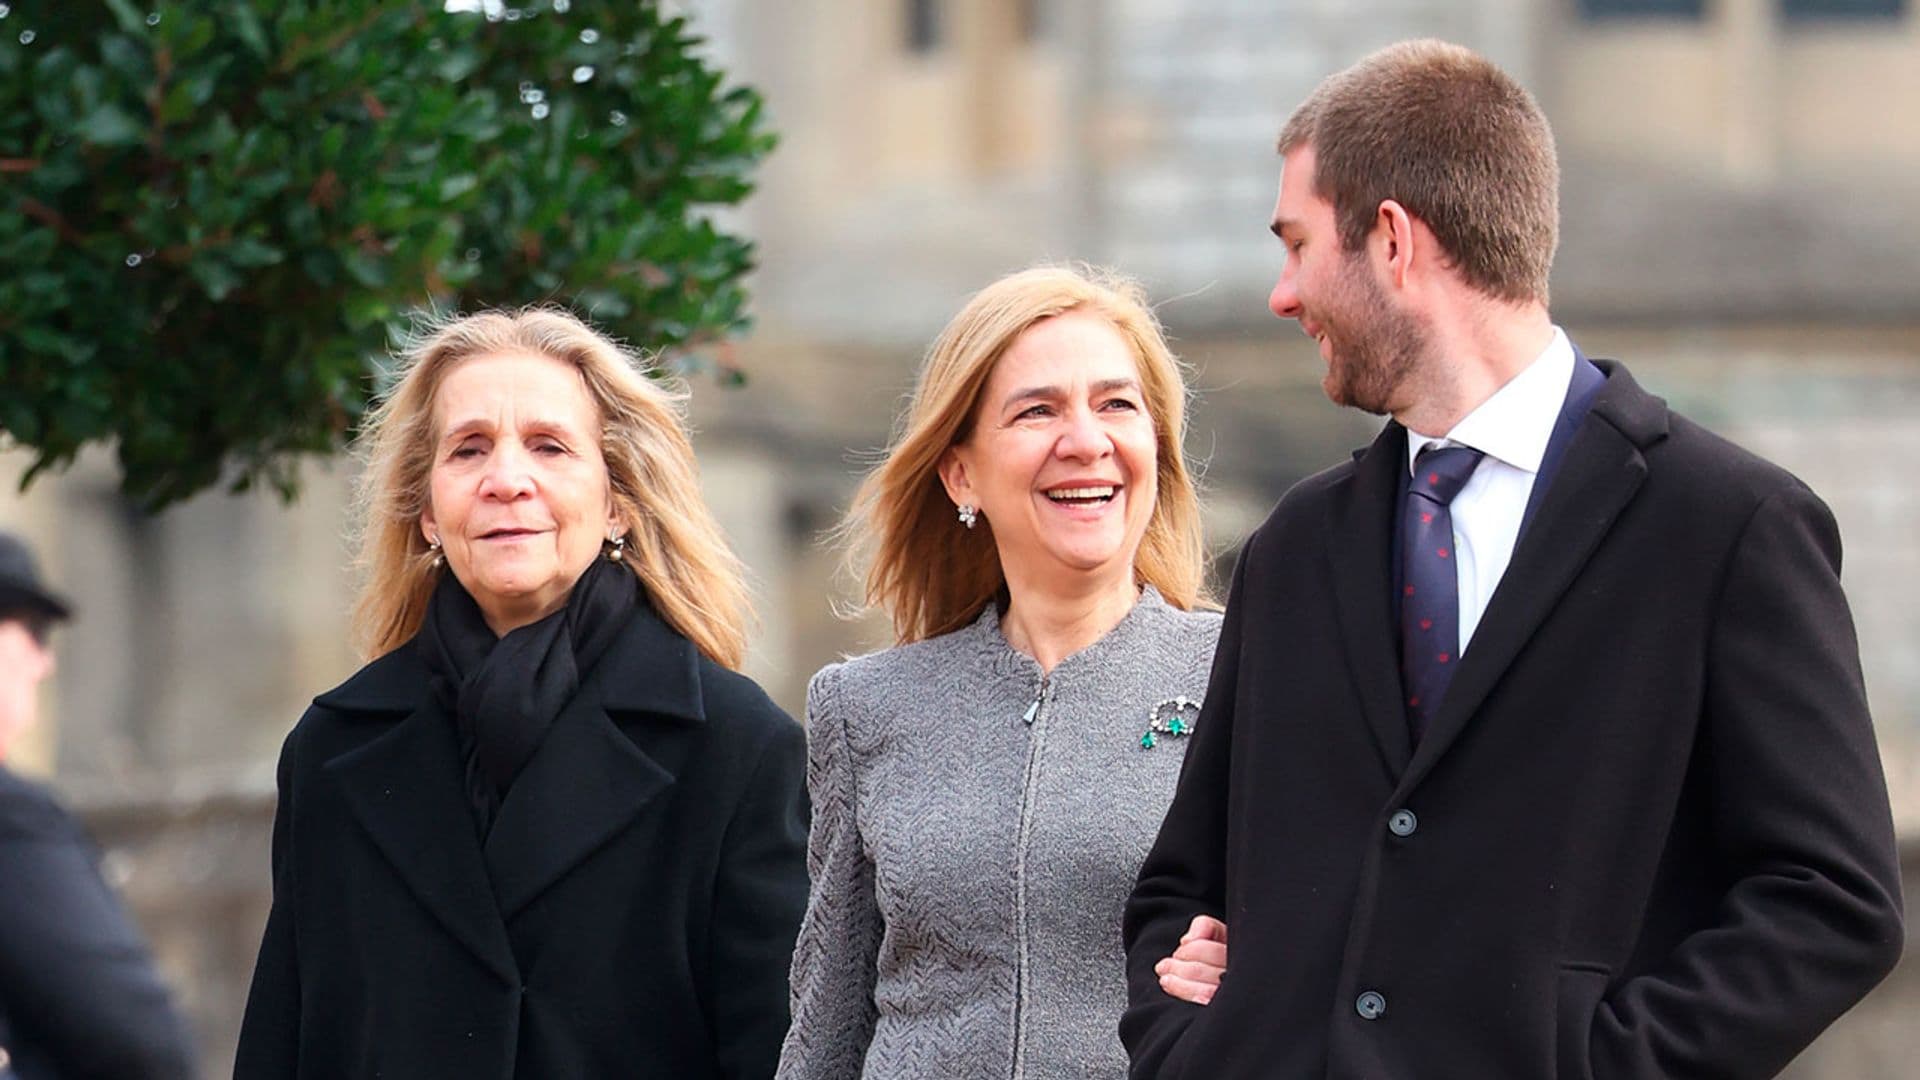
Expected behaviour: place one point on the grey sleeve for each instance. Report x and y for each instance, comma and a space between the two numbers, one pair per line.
835, 959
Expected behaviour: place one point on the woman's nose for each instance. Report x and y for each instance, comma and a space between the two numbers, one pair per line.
1084, 438
507, 474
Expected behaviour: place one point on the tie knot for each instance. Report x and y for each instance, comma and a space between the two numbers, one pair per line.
1440, 474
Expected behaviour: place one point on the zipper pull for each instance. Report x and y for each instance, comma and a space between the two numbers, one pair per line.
1039, 695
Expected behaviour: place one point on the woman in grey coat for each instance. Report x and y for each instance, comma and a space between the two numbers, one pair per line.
984, 793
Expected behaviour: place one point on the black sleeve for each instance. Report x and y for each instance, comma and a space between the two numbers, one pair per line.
75, 980
758, 899
1185, 872
1811, 918
270, 1029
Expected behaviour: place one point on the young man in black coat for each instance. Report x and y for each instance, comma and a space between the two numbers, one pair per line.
78, 996
1536, 743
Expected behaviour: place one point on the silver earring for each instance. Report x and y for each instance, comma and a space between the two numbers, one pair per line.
618, 550
968, 514
433, 546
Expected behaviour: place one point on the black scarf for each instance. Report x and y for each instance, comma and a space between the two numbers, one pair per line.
505, 692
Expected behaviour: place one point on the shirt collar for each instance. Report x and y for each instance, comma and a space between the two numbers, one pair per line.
1515, 423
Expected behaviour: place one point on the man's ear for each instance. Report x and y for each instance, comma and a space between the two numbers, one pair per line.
1393, 237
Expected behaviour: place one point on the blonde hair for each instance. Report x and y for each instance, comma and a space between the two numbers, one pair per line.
932, 576
674, 545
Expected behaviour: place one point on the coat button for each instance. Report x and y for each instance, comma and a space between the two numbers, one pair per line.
1370, 1005
1402, 823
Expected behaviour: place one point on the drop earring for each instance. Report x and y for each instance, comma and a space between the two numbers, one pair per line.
969, 514
433, 547
617, 547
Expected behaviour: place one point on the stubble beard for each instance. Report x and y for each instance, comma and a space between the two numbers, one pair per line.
1375, 347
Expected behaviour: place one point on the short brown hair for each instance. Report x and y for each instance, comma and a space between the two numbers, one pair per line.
1442, 131
932, 576
674, 544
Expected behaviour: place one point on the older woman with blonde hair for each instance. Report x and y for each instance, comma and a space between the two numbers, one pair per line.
984, 792
547, 830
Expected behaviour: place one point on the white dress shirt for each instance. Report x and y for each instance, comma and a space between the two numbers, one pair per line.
1511, 428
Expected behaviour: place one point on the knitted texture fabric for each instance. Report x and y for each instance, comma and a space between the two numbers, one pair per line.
976, 831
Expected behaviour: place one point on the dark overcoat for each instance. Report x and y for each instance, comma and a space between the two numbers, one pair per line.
631, 913
1645, 836
79, 997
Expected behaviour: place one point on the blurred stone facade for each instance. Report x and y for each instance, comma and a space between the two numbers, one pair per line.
1736, 204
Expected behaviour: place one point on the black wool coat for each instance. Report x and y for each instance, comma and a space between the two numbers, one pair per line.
1646, 835
632, 912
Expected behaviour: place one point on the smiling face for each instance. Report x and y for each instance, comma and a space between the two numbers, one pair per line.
1061, 460
519, 495
1370, 345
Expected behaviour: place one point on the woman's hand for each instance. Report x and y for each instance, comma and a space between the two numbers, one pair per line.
1195, 969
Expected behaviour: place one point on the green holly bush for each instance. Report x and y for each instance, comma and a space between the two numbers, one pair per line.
216, 216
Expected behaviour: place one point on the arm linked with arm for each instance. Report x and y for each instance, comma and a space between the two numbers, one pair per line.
1185, 872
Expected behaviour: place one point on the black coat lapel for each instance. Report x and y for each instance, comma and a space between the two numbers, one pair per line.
1603, 468
1582, 388
1361, 540
612, 750
585, 784
405, 789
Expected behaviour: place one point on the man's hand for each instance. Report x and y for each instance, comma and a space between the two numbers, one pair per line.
1195, 969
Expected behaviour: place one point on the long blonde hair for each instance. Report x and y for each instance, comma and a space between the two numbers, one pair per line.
926, 572
674, 545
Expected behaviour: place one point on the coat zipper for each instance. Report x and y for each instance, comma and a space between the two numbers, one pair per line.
1035, 713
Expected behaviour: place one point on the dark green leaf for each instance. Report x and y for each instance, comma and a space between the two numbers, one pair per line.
110, 125
127, 16
246, 25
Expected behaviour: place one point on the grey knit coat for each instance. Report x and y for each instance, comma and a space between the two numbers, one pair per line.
976, 830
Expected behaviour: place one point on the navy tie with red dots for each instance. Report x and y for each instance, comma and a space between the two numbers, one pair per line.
1430, 600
